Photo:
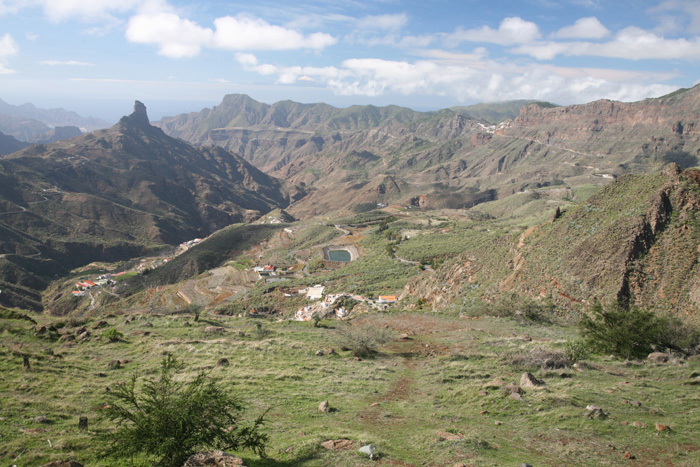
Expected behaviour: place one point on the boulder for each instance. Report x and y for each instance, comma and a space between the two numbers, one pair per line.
222, 362
527, 380
214, 459
368, 450
657, 357
593, 411
324, 407
512, 389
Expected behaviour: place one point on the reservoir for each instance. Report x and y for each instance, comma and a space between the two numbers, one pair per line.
339, 255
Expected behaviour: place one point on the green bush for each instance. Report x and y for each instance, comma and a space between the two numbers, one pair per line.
627, 332
166, 421
260, 332
576, 350
112, 335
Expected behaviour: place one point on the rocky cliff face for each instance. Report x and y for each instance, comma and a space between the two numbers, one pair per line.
637, 240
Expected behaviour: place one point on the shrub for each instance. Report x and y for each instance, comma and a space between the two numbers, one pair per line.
362, 341
112, 335
167, 421
260, 332
521, 309
576, 350
196, 310
539, 358
627, 332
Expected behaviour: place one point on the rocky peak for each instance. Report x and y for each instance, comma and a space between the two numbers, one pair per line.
138, 116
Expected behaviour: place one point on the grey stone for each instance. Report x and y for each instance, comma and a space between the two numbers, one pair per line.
324, 407
214, 459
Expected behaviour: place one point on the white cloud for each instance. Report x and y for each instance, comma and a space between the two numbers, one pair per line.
631, 43
678, 15
245, 33
583, 28
468, 77
65, 63
383, 22
176, 37
511, 31
8, 48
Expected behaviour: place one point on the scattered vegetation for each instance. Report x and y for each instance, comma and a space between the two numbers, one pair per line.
168, 421
363, 340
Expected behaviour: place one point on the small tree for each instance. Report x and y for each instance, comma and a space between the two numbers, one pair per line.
168, 421
628, 332
196, 310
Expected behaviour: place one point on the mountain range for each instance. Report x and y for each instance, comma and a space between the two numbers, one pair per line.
443, 159
139, 187
114, 194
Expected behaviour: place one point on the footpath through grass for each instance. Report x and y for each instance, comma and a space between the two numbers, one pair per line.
428, 398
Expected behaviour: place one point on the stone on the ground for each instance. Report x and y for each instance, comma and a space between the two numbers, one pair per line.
368, 450
596, 412
213, 459
223, 361
528, 380
42, 419
661, 427
512, 389
657, 357
214, 329
324, 407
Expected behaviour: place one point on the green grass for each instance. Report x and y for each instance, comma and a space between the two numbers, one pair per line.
124, 276
399, 401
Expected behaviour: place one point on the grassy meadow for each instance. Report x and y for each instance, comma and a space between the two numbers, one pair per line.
427, 398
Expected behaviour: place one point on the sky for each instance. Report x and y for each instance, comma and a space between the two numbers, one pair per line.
97, 56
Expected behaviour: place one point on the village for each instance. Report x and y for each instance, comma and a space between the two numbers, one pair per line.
320, 303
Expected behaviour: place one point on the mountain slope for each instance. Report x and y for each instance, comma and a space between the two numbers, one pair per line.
52, 117
636, 240
9, 144
431, 159
117, 193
